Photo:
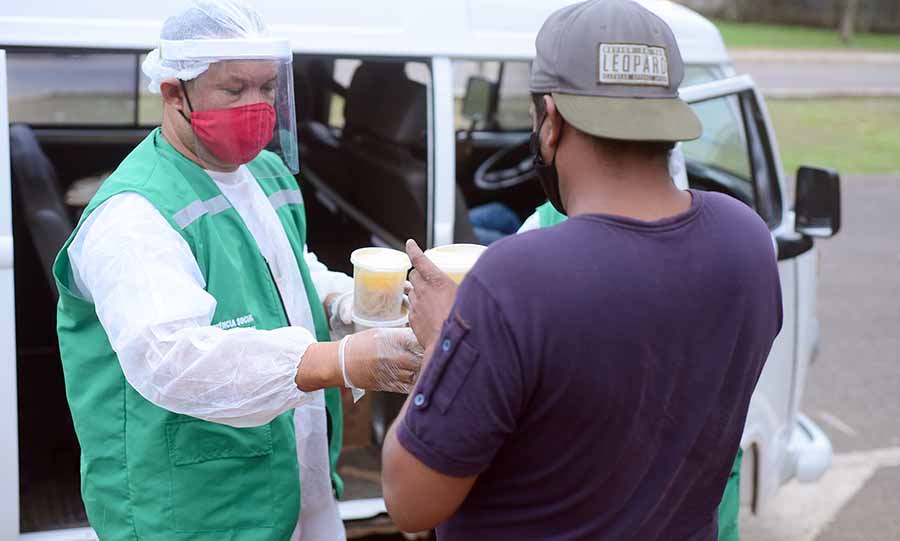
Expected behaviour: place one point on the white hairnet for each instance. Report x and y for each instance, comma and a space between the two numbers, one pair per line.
203, 20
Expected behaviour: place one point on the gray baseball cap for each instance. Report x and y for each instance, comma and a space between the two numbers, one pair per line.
614, 68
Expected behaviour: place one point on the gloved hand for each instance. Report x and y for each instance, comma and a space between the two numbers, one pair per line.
341, 315
381, 360
340, 311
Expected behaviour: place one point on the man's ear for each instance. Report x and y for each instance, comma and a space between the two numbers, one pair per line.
172, 95
553, 123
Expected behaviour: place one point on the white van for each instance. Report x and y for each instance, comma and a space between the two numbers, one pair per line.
411, 114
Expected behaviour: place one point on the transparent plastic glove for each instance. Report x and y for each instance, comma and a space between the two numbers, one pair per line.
381, 360
341, 320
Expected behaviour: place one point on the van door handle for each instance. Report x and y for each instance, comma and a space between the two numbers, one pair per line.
6, 252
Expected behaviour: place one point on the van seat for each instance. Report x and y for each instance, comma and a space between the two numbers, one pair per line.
385, 146
38, 192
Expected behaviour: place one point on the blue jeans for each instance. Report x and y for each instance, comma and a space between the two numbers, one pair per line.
493, 221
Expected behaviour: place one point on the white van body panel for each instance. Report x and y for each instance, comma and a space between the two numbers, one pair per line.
9, 422
69, 534
491, 29
444, 136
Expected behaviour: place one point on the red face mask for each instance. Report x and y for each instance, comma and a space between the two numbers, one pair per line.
235, 135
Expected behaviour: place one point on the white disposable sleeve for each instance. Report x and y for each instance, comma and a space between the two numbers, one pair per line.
533, 222
326, 282
150, 298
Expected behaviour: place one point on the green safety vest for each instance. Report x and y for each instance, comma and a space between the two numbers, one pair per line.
549, 216
148, 473
729, 509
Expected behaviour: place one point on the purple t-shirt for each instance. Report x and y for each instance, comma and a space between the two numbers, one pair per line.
596, 376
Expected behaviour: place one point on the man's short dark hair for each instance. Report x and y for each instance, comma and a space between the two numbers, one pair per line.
650, 149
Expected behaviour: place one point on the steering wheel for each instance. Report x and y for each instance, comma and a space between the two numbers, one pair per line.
506, 168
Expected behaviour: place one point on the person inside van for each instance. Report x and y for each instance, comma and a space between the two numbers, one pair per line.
195, 327
592, 379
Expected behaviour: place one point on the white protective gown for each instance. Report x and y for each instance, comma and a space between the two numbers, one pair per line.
149, 294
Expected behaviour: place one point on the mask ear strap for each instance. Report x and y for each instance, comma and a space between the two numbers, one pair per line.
562, 125
188, 99
537, 136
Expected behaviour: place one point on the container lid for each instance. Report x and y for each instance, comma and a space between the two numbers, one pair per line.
456, 257
373, 324
380, 260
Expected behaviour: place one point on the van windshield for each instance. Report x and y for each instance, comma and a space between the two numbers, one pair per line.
513, 97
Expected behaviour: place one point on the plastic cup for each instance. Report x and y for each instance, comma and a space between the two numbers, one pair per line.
456, 259
378, 276
361, 324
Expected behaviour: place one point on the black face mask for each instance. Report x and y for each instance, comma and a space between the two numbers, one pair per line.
547, 173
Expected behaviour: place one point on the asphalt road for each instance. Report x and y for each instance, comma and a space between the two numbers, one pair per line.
853, 390
830, 74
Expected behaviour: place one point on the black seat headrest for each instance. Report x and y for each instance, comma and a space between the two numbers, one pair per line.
39, 194
384, 103
318, 135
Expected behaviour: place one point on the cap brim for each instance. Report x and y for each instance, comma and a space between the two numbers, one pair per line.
630, 119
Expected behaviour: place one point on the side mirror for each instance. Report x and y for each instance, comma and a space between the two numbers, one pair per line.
818, 207
479, 98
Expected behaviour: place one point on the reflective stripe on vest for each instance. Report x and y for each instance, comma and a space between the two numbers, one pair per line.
286, 197
198, 209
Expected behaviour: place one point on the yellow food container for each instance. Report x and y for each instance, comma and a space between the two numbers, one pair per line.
378, 276
456, 259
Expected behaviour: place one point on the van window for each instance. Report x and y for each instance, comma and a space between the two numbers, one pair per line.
344, 68
723, 144
513, 96
698, 74
343, 73
150, 106
50, 88
463, 70
734, 154
363, 132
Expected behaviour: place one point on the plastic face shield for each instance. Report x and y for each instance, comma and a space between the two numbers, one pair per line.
243, 103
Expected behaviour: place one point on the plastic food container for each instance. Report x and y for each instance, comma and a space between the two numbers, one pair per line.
362, 324
378, 276
456, 259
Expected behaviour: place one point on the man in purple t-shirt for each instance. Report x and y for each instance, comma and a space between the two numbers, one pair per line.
592, 379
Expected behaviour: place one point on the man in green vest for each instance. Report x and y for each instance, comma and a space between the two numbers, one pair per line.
194, 324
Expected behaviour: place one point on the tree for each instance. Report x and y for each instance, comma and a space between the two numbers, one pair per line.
848, 20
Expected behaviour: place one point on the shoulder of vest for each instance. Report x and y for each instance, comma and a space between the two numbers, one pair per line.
549, 216
148, 172
271, 173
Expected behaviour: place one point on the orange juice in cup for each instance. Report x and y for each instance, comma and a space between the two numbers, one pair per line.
379, 275
456, 259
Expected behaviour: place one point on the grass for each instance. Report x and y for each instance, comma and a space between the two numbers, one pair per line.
851, 135
766, 36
